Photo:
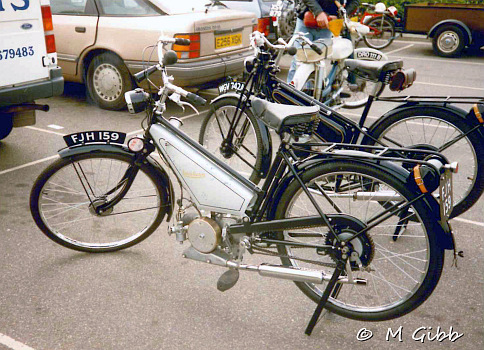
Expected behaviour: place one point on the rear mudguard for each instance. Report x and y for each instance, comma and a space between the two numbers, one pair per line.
265, 135
441, 228
465, 115
161, 174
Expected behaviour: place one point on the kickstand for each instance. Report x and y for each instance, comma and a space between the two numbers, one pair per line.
324, 298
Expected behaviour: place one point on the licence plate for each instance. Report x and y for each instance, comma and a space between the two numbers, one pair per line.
228, 86
228, 40
446, 196
98, 136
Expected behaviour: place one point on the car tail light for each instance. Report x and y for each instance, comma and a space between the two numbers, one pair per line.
48, 29
190, 51
263, 25
255, 27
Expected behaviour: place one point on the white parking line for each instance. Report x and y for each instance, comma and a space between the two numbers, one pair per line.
182, 118
12, 343
44, 130
28, 164
472, 222
450, 86
440, 60
400, 49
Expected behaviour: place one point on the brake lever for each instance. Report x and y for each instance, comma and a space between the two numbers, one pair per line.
177, 99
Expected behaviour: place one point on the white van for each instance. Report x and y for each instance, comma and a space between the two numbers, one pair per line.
28, 61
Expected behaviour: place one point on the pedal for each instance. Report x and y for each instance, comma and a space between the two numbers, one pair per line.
228, 279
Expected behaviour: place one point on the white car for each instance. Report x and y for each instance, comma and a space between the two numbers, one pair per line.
102, 42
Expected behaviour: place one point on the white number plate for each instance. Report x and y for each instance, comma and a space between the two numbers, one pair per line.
446, 196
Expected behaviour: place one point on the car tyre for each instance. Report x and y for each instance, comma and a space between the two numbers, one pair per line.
449, 41
6, 124
108, 79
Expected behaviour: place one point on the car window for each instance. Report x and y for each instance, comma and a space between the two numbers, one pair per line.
72, 7
128, 8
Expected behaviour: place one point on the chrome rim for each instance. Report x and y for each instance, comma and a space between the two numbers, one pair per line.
448, 41
398, 267
107, 82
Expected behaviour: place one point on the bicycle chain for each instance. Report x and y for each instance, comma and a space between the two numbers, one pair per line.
268, 252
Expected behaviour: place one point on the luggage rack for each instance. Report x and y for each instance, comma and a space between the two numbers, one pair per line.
434, 99
379, 153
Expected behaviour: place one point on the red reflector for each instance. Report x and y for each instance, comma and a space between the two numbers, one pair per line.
50, 43
47, 18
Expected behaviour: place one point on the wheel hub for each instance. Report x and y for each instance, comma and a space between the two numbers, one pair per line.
226, 150
359, 250
93, 207
448, 41
107, 82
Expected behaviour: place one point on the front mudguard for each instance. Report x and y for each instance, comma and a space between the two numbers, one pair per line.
265, 135
161, 174
440, 227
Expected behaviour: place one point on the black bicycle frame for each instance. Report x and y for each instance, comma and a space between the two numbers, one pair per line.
334, 126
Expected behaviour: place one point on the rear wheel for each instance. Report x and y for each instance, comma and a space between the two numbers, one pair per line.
65, 197
400, 274
382, 32
244, 153
108, 79
434, 129
449, 41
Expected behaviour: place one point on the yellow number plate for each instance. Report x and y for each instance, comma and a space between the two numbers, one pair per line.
228, 40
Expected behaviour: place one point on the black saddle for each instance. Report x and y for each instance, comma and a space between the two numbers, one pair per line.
279, 117
372, 70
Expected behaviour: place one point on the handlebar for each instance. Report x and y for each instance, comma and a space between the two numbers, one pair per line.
140, 76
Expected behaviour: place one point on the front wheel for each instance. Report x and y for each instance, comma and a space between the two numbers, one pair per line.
400, 274
244, 152
437, 130
65, 197
382, 32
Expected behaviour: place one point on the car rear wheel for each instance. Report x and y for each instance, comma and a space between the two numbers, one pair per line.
449, 41
107, 80
6, 124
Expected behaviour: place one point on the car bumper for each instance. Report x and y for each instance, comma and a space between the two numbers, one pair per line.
29, 92
191, 73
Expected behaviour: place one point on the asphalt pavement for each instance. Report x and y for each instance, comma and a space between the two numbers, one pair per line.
149, 297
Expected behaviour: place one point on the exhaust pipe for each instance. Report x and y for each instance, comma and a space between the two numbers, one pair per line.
221, 258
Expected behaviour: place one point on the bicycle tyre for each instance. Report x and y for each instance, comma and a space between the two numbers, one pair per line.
468, 183
387, 27
62, 210
417, 256
213, 129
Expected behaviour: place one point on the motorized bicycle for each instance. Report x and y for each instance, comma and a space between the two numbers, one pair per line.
335, 87
432, 123
332, 217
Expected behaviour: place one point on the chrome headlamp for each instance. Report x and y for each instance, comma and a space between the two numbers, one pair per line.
136, 100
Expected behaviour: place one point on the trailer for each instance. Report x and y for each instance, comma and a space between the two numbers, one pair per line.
452, 27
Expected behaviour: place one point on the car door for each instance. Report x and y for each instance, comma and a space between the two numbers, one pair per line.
75, 26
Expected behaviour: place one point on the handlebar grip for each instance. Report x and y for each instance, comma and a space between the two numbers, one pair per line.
317, 49
140, 76
291, 50
194, 98
182, 41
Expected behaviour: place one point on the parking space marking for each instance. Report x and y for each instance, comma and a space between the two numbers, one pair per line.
28, 164
472, 222
182, 118
450, 86
46, 131
440, 60
12, 343
400, 49
55, 126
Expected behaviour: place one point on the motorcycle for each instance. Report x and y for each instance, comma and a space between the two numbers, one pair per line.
330, 216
